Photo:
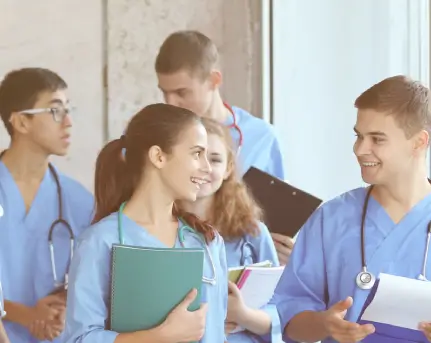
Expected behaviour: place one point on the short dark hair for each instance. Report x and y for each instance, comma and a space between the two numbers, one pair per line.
187, 50
406, 100
21, 88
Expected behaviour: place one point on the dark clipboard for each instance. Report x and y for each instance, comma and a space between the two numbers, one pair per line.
286, 208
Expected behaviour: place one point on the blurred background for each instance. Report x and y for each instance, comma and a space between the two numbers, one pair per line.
298, 64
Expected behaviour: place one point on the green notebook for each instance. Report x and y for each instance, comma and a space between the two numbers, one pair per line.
148, 283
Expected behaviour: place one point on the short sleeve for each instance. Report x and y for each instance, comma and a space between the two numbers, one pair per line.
302, 286
88, 294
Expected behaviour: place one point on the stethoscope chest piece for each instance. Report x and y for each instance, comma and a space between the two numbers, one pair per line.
365, 280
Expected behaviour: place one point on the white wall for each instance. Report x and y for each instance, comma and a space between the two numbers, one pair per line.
82, 39
61, 36
325, 54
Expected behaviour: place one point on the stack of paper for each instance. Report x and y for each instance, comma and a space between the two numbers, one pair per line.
395, 306
236, 272
257, 283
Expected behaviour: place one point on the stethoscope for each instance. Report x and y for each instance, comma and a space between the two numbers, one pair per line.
235, 126
2, 311
181, 237
247, 253
54, 225
365, 279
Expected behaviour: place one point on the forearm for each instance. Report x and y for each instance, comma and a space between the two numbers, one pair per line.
3, 336
307, 326
17, 313
255, 321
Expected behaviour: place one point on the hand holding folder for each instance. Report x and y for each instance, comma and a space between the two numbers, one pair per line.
181, 320
148, 288
396, 306
255, 284
286, 208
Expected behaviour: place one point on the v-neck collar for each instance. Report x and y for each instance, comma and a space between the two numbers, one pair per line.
142, 232
378, 214
18, 207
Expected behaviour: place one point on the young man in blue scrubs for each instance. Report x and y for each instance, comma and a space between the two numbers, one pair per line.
189, 76
34, 108
319, 297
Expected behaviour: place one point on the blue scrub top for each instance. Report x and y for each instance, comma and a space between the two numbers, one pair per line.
260, 148
327, 255
25, 262
88, 294
247, 250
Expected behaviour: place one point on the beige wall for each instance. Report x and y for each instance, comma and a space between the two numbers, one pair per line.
79, 38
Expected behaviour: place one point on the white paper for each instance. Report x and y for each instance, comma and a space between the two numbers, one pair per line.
401, 302
259, 287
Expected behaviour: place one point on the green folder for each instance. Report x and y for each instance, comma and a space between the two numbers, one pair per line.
148, 283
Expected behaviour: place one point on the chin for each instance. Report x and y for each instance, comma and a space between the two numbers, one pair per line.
59, 152
190, 197
371, 180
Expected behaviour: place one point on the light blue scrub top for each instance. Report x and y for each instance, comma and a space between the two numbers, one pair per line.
327, 255
25, 261
247, 250
260, 147
88, 294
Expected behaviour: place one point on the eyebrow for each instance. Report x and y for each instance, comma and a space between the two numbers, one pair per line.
172, 90
371, 133
58, 102
198, 147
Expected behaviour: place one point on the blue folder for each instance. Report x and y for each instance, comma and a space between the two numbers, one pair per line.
386, 333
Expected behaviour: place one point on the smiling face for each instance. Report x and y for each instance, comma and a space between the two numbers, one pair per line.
217, 154
186, 167
383, 150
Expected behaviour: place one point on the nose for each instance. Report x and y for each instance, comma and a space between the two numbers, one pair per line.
205, 165
67, 120
362, 147
172, 99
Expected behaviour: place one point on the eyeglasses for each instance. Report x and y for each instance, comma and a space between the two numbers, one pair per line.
58, 113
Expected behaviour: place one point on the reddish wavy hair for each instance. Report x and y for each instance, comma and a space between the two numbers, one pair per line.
235, 212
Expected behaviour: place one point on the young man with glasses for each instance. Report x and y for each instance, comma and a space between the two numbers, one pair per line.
34, 108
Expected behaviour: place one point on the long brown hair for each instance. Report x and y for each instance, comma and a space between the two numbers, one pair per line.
117, 175
234, 212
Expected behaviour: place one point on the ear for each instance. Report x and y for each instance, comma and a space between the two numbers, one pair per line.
20, 122
157, 156
215, 79
421, 141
